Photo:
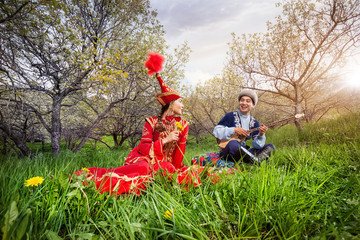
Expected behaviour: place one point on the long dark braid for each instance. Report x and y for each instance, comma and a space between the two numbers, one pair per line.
159, 125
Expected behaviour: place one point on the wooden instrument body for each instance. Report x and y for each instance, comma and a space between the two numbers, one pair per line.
239, 138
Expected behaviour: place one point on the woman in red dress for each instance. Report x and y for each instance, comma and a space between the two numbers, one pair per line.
162, 147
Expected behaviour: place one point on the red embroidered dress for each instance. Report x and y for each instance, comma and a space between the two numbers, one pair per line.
146, 159
151, 149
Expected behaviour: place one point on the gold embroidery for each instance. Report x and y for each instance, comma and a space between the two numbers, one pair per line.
169, 148
152, 155
134, 180
152, 121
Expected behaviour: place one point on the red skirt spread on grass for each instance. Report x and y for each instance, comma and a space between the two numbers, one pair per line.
134, 178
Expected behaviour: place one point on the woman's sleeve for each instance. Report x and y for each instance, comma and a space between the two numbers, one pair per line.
147, 146
180, 148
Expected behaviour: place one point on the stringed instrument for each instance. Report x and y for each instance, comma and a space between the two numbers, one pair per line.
241, 138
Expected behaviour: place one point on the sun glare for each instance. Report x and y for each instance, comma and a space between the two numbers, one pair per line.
352, 75
353, 79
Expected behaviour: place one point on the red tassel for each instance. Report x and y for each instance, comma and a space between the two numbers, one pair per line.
154, 63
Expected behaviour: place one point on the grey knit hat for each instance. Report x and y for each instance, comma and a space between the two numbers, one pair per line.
251, 94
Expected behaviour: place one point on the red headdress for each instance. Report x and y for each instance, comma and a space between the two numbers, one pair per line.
154, 65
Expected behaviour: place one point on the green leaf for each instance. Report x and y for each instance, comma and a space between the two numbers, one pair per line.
63, 180
10, 218
88, 236
220, 203
21, 228
52, 235
73, 193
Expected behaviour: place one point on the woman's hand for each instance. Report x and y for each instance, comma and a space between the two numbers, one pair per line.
173, 136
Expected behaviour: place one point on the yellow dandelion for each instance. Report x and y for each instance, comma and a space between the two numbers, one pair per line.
85, 169
168, 214
34, 181
179, 126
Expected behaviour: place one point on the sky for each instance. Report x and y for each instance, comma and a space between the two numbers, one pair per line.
207, 25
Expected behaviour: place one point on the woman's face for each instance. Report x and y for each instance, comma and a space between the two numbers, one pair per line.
177, 106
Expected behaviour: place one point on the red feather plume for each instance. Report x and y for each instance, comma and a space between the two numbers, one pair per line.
154, 63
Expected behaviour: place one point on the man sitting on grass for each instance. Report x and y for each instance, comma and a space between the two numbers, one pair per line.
235, 128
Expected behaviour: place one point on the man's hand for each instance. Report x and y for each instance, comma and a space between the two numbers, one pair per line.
263, 129
241, 132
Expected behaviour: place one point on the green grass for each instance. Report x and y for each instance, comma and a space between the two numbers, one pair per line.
309, 189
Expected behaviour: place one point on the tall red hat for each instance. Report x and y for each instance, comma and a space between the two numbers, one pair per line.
154, 65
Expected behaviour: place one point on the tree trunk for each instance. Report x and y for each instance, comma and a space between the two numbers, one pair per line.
298, 110
24, 150
116, 141
18, 141
56, 125
87, 134
94, 124
297, 121
122, 140
298, 107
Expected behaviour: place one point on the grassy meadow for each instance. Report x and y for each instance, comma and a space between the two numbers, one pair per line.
309, 189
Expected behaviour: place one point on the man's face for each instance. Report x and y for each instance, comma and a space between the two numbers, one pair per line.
245, 104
